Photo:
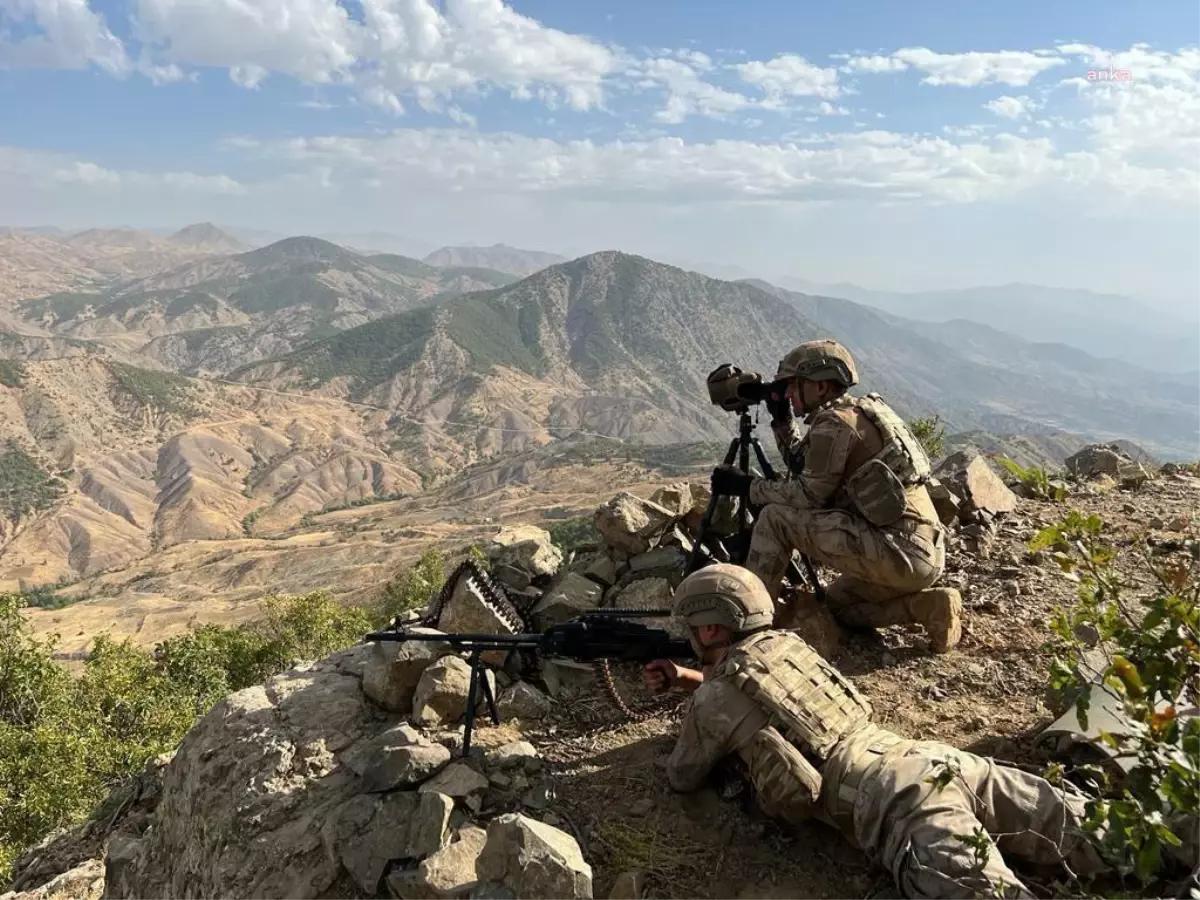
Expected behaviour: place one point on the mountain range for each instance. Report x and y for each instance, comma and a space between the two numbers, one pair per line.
178, 405
1103, 325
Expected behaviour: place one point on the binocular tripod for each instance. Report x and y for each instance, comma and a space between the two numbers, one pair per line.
739, 449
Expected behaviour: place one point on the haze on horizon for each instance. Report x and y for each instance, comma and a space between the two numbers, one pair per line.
894, 148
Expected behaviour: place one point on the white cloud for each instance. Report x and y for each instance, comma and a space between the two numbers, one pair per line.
1014, 67
72, 37
1012, 107
312, 40
874, 64
869, 164
790, 76
410, 45
27, 168
687, 93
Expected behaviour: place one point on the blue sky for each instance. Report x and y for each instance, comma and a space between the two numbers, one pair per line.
905, 146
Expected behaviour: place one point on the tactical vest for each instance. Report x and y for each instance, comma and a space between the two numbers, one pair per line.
878, 488
810, 708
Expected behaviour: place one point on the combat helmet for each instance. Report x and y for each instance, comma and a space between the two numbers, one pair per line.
824, 360
724, 594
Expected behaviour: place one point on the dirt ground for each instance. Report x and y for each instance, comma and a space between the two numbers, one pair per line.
987, 695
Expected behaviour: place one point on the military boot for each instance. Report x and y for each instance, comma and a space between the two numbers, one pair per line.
940, 611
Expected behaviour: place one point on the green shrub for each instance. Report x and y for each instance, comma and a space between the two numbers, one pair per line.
1034, 482
1152, 645
414, 588
571, 534
65, 741
931, 435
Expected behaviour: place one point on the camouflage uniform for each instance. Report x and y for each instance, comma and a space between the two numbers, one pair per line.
812, 514
802, 732
886, 561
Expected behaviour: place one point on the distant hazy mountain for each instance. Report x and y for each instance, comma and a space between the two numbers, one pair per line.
224, 311
1104, 325
498, 256
620, 345
207, 236
382, 242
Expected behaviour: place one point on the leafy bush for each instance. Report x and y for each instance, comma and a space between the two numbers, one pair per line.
414, 588
931, 435
571, 534
1152, 647
1034, 482
65, 740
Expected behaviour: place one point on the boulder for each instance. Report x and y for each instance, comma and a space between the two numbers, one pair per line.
460, 781
525, 547
604, 570
972, 479
524, 701
667, 561
813, 622
441, 694
676, 498
368, 833
945, 501
469, 610
568, 596
566, 679
1096, 459
632, 524
258, 800
449, 873
644, 593
394, 668
1132, 475
82, 882
532, 859
403, 767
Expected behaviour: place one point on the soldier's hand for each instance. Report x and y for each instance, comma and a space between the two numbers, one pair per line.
728, 481
660, 675
779, 406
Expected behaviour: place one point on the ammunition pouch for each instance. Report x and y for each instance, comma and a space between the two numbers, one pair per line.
877, 493
786, 785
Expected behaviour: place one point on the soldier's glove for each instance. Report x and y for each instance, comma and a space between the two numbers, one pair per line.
730, 482
779, 407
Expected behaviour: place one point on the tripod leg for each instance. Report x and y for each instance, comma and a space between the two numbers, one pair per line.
706, 522
487, 695
765, 464
469, 726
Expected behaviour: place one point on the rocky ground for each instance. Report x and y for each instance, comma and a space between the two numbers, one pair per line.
342, 779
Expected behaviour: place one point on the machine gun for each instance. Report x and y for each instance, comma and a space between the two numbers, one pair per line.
591, 637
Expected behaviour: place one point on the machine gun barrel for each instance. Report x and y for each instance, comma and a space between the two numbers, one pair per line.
597, 635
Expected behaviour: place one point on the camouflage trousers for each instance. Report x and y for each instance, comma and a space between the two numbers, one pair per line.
903, 802
877, 567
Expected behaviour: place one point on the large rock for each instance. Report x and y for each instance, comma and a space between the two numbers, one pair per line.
83, 882
532, 859
570, 595
441, 694
368, 833
394, 668
526, 547
258, 800
973, 480
524, 701
632, 524
469, 610
1096, 459
945, 501
449, 873
676, 498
